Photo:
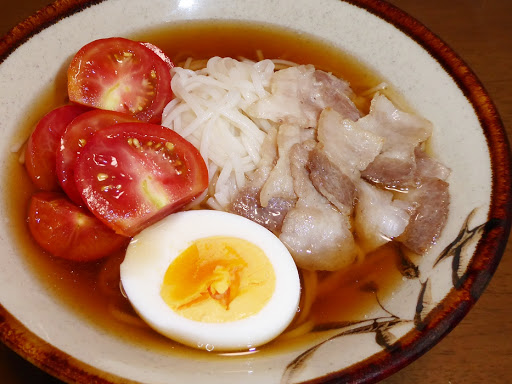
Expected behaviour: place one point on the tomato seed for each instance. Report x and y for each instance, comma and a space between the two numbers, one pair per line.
102, 176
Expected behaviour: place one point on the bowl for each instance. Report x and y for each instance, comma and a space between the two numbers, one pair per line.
439, 289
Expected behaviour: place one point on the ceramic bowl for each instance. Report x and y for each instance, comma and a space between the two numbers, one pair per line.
431, 299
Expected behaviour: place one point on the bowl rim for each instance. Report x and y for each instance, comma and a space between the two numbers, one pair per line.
441, 320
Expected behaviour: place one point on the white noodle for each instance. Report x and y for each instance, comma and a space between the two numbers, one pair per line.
209, 110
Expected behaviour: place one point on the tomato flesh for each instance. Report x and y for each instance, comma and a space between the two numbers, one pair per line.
68, 231
74, 138
131, 175
40, 154
120, 75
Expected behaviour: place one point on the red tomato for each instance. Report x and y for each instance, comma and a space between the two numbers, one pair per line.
43, 144
77, 133
131, 175
120, 75
68, 231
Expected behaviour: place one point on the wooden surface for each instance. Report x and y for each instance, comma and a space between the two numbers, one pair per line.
479, 349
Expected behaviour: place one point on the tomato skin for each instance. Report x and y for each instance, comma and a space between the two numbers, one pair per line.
161, 54
40, 153
131, 175
70, 232
120, 75
76, 134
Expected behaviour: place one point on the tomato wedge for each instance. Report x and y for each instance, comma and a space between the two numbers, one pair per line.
68, 231
131, 175
120, 75
40, 154
74, 138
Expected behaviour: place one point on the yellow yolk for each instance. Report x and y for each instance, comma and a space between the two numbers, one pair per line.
219, 279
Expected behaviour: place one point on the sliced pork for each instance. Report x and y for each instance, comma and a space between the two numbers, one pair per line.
432, 201
317, 235
298, 95
428, 167
379, 218
399, 174
247, 201
347, 145
331, 182
247, 204
395, 166
267, 161
279, 183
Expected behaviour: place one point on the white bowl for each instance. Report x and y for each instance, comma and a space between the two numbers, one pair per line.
468, 137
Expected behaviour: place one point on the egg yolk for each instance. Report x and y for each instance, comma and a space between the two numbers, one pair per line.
219, 279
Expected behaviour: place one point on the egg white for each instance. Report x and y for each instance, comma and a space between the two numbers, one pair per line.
152, 251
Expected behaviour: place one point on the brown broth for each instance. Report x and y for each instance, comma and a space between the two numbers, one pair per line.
92, 289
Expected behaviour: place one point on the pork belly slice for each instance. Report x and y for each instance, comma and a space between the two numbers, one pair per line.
390, 172
247, 204
279, 183
317, 235
347, 145
399, 174
331, 182
378, 217
432, 201
330, 91
268, 159
401, 130
428, 167
395, 166
298, 95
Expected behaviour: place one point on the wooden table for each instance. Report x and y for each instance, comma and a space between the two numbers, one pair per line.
479, 350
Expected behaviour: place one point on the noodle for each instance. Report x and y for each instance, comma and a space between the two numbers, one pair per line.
209, 111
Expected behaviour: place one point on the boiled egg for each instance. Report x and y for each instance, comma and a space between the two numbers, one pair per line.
211, 280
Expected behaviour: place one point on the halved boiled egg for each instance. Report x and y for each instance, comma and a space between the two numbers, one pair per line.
211, 280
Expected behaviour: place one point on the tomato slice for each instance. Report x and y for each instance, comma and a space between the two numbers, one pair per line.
40, 154
131, 175
74, 138
120, 75
68, 231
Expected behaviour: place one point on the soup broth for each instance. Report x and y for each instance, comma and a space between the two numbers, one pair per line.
93, 289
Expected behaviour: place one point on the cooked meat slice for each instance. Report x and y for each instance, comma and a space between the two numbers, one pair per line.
331, 182
302, 185
298, 95
402, 131
428, 167
395, 167
330, 91
247, 204
317, 235
267, 161
391, 172
279, 183
348, 146
247, 201
404, 174
378, 217
432, 200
